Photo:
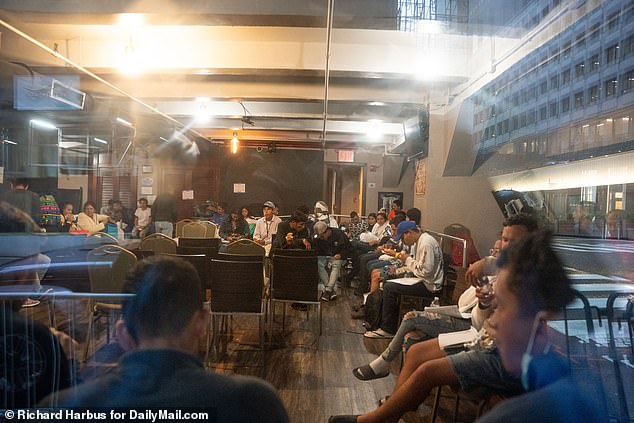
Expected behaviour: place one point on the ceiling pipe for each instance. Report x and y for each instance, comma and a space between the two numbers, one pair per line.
93, 75
331, 10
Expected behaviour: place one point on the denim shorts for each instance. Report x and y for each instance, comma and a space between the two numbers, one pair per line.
476, 369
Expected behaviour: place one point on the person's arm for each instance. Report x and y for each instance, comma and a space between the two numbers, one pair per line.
258, 235
482, 267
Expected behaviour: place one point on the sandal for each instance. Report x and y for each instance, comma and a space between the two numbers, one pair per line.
366, 373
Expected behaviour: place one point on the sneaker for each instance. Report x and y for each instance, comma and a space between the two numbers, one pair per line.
378, 334
333, 295
325, 296
30, 302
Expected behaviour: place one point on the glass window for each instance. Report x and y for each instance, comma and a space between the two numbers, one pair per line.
610, 87
554, 82
579, 100
565, 77
595, 63
628, 81
593, 94
611, 54
613, 21
579, 70
565, 105
543, 112
552, 109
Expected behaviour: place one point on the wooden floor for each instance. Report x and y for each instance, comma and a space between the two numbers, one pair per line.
312, 374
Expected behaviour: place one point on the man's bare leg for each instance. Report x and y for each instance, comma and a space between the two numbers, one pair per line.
417, 355
413, 391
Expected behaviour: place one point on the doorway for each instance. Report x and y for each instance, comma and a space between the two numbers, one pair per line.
345, 188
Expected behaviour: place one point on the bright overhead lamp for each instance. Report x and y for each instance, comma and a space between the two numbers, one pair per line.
373, 130
164, 139
234, 143
130, 20
124, 122
43, 124
9, 142
100, 140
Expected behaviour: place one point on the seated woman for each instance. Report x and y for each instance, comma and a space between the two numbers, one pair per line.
89, 220
234, 227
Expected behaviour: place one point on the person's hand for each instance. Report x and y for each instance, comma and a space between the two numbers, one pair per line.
389, 251
307, 244
402, 256
475, 272
485, 295
259, 241
69, 345
337, 256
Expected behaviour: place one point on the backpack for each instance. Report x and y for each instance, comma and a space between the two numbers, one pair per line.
49, 211
373, 310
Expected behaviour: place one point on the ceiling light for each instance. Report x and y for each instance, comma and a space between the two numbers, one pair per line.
100, 140
425, 26
130, 20
43, 124
164, 139
202, 99
203, 114
124, 122
373, 130
9, 142
203, 72
234, 143
376, 103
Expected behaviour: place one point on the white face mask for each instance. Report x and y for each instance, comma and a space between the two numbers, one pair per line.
527, 357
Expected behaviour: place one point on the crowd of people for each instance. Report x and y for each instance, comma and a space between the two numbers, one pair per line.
500, 322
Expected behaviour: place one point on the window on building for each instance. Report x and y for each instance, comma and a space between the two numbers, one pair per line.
566, 77
554, 82
580, 42
595, 63
543, 86
552, 109
580, 70
628, 81
522, 120
610, 87
531, 117
593, 94
566, 50
579, 100
565, 105
594, 31
611, 54
628, 46
543, 112
515, 123
613, 21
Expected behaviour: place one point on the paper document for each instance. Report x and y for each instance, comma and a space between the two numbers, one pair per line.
450, 310
406, 281
457, 338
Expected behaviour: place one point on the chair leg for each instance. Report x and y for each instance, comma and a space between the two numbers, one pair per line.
262, 332
283, 317
434, 411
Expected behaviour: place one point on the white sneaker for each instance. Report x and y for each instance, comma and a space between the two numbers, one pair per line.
378, 334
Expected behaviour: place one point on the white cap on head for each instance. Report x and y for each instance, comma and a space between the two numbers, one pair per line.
269, 204
321, 206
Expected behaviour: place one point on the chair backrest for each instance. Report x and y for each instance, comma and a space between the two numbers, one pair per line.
212, 228
295, 277
208, 251
200, 242
245, 247
202, 263
194, 230
294, 252
455, 283
179, 227
102, 238
236, 286
159, 243
108, 267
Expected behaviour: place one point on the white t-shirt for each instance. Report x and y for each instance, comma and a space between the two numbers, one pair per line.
143, 216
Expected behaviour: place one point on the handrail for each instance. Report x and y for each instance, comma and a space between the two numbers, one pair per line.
465, 258
624, 414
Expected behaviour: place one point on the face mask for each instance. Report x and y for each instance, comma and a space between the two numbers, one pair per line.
527, 357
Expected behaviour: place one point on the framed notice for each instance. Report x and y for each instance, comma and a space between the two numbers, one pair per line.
239, 188
188, 194
146, 190
146, 169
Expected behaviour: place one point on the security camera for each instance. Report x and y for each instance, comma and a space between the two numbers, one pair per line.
259, 149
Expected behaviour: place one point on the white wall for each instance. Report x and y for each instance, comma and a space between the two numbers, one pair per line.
456, 199
75, 182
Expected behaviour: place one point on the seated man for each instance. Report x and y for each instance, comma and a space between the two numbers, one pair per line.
333, 247
357, 226
424, 325
161, 331
293, 234
266, 226
426, 263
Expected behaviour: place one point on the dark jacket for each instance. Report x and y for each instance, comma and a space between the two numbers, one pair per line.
164, 208
226, 229
338, 243
164, 378
283, 229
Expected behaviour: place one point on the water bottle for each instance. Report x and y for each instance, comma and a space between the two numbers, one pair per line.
435, 302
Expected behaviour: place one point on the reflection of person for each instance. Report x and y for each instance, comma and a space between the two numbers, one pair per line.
614, 223
89, 220
161, 330
142, 219
34, 363
23, 199
164, 212
580, 219
67, 222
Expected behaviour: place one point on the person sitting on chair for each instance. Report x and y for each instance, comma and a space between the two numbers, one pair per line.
161, 330
292, 234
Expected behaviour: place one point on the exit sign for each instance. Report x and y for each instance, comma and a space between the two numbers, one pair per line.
346, 156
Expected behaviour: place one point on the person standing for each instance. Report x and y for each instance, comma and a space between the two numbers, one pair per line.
164, 213
23, 199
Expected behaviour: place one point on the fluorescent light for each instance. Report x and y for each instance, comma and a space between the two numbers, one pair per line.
373, 130
164, 139
376, 103
100, 140
43, 124
124, 122
234, 143
130, 20
9, 142
202, 99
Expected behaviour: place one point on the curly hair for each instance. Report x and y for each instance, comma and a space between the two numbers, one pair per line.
536, 275
522, 219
